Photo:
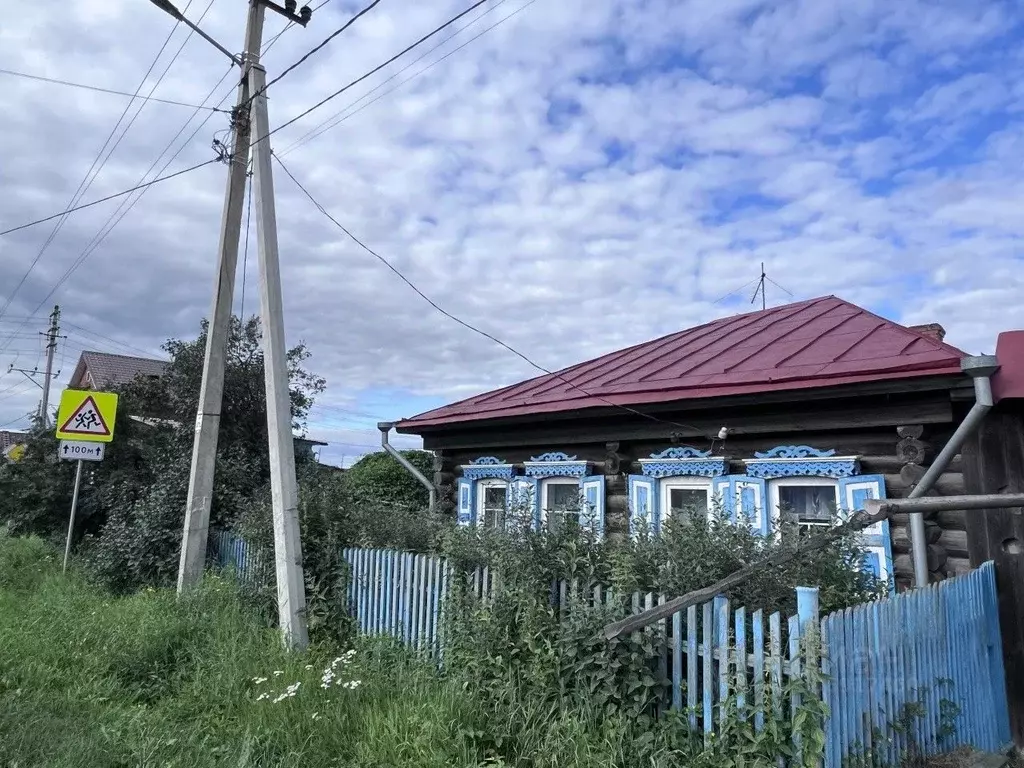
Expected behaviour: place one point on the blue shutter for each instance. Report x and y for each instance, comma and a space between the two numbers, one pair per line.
524, 498
725, 495
750, 502
853, 492
643, 502
592, 514
467, 507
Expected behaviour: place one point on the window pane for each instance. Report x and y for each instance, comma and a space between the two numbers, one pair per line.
563, 496
563, 500
691, 501
809, 503
494, 506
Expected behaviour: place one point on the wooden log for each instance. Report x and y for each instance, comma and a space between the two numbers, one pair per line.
958, 565
948, 484
614, 458
937, 556
913, 451
910, 430
953, 520
901, 537
881, 464
955, 543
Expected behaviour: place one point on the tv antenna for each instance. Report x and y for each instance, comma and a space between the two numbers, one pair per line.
760, 289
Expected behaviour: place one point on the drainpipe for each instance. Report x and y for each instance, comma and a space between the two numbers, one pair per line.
385, 427
980, 368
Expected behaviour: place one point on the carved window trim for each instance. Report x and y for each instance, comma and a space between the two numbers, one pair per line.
683, 461
487, 467
555, 464
800, 461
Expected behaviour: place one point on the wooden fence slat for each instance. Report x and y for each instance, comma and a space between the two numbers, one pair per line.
795, 699
722, 651
758, 638
775, 662
708, 668
677, 660
741, 662
692, 665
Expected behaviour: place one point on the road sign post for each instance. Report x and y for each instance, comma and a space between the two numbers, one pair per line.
71, 522
85, 423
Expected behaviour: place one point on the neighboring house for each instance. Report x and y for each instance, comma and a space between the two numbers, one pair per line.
823, 405
101, 371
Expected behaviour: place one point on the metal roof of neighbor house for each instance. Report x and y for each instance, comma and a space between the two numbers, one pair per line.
816, 343
108, 370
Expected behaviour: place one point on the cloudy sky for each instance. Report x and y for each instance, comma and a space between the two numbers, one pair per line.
578, 177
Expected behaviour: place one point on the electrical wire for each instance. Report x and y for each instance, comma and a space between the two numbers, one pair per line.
372, 72
245, 252
462, 322
109, 197
86, 182
319, 47
341, 115
105, 90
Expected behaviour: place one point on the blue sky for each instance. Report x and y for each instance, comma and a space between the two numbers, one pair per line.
583, 176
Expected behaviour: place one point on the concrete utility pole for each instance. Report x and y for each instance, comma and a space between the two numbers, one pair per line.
291, 591
211, 393
249, 113
51, 347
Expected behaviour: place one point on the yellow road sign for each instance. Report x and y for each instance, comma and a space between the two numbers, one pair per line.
86, 416
16, 452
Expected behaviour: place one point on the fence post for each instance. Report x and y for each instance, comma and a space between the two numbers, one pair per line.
801, 657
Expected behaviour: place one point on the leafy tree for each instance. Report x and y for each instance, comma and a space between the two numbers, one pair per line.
132, 505
380, 477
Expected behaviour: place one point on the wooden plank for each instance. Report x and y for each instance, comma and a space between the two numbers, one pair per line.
692, 665
677, 661
597, 428
994, 463
740, 633
775, 662
759, 702
722, 651
795, 699
708, 669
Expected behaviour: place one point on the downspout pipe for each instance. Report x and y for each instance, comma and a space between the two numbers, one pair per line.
980, 368
385, 427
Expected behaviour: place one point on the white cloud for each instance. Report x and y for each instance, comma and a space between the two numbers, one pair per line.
583, 176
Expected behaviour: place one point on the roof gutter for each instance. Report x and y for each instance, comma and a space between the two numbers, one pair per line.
980, 368
385, 427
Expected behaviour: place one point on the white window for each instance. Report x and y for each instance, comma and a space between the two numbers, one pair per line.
690, 496
811, 502
560, 498
491, 498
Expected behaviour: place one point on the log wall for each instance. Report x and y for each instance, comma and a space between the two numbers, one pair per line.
899, 453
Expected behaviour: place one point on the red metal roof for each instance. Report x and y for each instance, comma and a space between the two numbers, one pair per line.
815, 343
1008, 381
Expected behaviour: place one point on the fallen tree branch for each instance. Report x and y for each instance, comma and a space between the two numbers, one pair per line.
640, 620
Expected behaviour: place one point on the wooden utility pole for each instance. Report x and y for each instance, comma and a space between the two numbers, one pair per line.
51, 347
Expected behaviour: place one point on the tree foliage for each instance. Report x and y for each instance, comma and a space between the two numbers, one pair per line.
379, 476
132, 505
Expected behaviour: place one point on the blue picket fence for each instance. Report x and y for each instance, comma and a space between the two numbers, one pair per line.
923, 649
927, 646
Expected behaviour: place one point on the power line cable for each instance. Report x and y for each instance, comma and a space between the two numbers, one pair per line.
245, 252
341, 115
109, 197
86, 182
319, 47
463, 323
106, 90
373, 71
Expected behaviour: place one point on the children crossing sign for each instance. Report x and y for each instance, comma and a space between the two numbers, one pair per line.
86, 416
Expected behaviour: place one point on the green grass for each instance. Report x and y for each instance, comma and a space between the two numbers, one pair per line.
90, 680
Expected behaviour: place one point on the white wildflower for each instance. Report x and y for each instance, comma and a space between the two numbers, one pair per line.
278, 672
259, 680
263, 696
316, 715
309, 666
